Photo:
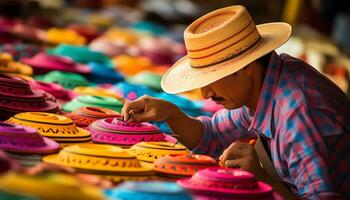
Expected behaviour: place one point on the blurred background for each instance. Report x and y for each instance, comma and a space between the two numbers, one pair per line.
320, 27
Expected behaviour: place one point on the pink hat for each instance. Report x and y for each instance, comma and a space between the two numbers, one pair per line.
43, 63
55, 89
227, 182
20, 139
117, 132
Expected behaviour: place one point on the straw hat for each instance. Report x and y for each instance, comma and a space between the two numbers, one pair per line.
219, 44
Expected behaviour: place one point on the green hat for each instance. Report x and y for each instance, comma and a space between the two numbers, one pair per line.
67, 79
94, 101
146, 78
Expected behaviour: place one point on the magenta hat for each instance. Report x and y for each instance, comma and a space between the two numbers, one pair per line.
17, 96
117, 132
43, 63
54, 89
227, 183
25, 140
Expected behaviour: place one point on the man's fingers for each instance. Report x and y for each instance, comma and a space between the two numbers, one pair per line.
141, 117
235, 163
130, 108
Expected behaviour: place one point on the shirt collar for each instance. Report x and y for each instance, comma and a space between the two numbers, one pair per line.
262, 118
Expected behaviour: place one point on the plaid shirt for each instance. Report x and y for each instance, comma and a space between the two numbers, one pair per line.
306, 121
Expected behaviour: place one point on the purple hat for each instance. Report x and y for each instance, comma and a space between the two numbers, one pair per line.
25, 140
43, 63
117, 132
17, 96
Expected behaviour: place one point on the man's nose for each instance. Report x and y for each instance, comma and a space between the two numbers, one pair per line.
206, 92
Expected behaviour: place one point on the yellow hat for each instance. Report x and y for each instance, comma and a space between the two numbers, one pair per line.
57, 127
150, 151
8, 65
81, 90
49, 186
106, 160
219, 44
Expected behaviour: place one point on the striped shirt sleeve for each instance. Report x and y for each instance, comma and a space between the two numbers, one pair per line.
223, 128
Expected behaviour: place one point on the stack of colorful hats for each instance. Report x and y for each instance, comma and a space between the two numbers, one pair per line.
124, 134
93, 101
105, 160
43, 63
66, 79
57, 127
25, 144
17, 96
226, 183
150, 190
179, 166
151, 151
84, 116
47, 186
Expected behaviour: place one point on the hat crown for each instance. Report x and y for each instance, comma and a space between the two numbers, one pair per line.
220, 35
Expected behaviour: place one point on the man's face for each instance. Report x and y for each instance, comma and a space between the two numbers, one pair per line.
232, 91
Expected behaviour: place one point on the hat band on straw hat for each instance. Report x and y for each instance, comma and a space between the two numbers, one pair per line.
238, 38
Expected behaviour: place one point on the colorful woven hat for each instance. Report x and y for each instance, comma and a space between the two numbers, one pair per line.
17, 96
89, 32
94, 91
49, 186
151, 151
93, 101
43, 63
185, 104
59, 35
109, 161
101, 73
221, 43
146, 78
130, 65
150, 190
8, 65
177, 166
117, 132
84, 116
57, 127
227, 183
66, 79
54, 89
20, 50
81, 54
20, 139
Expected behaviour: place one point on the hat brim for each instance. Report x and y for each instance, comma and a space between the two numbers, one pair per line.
182, 77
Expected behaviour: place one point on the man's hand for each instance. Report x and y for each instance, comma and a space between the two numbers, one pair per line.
147, 108
242, 155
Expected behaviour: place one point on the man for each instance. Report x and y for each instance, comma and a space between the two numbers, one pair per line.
303, 117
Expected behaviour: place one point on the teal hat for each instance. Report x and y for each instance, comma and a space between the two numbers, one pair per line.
11, 196
186, 105
81, 54
146, 78
150, 27
150, 190
93, 101
66, 79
